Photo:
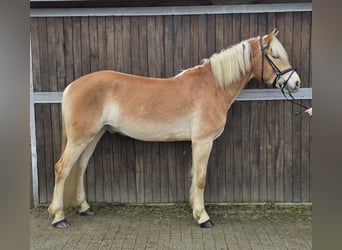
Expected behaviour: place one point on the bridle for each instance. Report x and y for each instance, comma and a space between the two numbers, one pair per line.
279, 73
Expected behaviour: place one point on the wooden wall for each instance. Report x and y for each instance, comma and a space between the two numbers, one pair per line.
264, 153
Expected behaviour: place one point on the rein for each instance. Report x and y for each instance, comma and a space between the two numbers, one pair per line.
279, 74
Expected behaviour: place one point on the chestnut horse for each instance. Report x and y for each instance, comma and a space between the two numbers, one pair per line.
191, 106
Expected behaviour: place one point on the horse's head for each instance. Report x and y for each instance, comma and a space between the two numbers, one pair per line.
274, 66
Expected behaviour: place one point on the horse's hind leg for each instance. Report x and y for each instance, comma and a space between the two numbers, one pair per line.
62, 169
84, 208
200, 156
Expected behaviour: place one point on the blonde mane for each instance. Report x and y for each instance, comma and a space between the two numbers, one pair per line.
230, 64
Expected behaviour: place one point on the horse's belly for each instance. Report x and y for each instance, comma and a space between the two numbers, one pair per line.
156, 131
150, 122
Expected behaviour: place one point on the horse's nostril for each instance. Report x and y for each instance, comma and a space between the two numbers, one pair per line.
297, 84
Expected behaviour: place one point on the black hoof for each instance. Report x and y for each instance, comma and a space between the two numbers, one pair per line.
88, 212
61, 224
207, 224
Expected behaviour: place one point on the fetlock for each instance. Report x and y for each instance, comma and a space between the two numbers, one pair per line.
83, 206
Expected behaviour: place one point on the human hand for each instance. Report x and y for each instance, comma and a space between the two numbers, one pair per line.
309, 111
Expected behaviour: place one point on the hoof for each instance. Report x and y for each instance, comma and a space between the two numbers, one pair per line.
207, 224
61, 224
88, 212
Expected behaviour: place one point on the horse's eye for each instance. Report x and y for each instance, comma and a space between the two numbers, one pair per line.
276, 57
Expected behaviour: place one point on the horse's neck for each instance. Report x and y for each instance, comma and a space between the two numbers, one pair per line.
231, 91
226, 95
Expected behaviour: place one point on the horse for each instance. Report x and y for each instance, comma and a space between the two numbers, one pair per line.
191, 106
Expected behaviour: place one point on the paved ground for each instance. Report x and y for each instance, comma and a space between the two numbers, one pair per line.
172, 227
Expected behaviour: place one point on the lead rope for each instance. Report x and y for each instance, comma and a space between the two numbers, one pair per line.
293, 101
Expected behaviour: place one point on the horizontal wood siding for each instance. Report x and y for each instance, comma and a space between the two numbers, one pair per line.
264, 153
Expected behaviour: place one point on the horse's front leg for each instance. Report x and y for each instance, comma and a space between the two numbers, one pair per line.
200, 156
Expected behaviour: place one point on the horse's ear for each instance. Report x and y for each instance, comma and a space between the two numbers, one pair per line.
267, 38
275, 32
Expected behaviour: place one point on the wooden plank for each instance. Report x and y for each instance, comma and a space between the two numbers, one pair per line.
77, 49
118, 48
228, 31
155, 152
116, 168
93, 44
202, 37
139, 171
98, 172
107, 160
151, 43
110, 43
221, 141
35, 53
237, 113
168, 38
305, 123
271, 141
85, 45
262, 21
279, 129
270, 147
68, 46
135, 45
229, 155
52, 35
42, 181
237, 153
254, 147
43, 52
48, 143
288, 164
171, 160
160, 66
194, 32
187, 156
131, 174
102, 46
147, 153
305, 155
296, 135
46, 112
245, 121
164, 172
123, 178
51, 50
143, 46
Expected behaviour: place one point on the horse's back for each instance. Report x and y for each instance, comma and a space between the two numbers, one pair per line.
141, 107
